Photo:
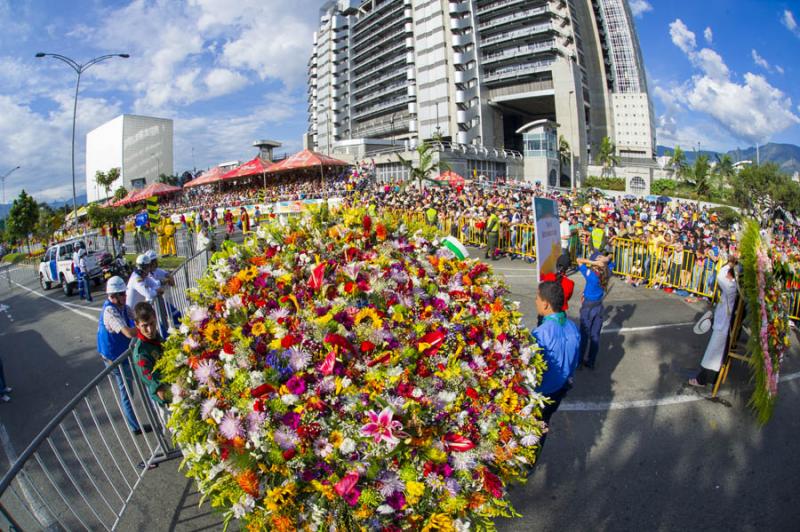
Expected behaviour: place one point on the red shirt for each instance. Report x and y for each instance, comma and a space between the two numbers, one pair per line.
567, 285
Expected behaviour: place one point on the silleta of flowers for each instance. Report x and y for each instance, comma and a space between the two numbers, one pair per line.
344, 372
764, 285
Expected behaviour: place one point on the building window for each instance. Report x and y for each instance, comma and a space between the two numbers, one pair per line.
638, 186
552, 179
138, 183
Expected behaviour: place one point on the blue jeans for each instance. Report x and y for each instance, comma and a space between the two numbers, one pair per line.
84, 288
127, 408
591, 325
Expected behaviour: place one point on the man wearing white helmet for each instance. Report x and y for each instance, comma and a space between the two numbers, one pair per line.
114, 332
141, 287
159, 274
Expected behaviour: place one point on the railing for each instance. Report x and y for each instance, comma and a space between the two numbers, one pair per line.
82, 469
518, 70
175, 300
653, 266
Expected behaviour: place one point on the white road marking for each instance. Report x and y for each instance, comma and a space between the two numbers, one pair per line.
602, 406
531, 269
647, 328
59, 303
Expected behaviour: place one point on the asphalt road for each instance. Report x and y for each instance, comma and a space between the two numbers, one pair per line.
631, 447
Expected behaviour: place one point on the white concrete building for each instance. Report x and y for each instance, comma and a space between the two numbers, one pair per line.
140, 146
474, 72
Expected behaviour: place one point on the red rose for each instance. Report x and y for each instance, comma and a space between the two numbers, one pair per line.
262, 390
367, 346
288, 454
288, 341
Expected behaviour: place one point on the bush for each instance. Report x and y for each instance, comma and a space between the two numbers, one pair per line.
663, 187
15, 258
605, 183
726, 215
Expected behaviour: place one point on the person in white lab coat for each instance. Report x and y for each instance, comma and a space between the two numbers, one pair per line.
718, 344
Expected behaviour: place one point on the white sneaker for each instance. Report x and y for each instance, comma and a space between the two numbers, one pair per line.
7, 389
4, 399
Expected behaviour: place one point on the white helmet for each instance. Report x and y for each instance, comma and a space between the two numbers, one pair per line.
142, 260
150, 254
116, 285
81, 252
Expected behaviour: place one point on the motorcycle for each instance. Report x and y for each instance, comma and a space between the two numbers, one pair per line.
118, 266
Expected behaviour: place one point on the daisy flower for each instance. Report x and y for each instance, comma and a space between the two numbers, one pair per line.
206, 372
231, 426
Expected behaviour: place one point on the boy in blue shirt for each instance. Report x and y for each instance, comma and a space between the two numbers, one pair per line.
596, 271
559, 339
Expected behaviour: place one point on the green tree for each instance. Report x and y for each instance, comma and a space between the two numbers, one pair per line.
700, 175
108, 216
107, 179
678, 163
760, 188
606, 156
169, 179
723, 172
120, 193
425, 167
22, 218
50, 220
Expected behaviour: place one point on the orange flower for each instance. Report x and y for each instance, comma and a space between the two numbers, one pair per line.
380, 231
281, 523
248, 481
258, 261
234, 285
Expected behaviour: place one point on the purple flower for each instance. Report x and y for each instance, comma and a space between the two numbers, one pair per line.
255, 421
231, 427
291, 419
296, 385
206, 372
396, 500
285, 437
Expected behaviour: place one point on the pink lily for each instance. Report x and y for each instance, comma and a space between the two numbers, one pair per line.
382, 427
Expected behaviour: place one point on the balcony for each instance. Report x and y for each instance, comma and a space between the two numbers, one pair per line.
517, 71
461, 23
380, 57
393, 32
511, 53
462, 40
513, 17
378, 81
499, 5
462, 58
459, 7
465, 116
360, 34
393, 62
381, 92
395, 103
517, 34
465, 95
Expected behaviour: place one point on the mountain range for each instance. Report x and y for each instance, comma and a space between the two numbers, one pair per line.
80, 198
786, 156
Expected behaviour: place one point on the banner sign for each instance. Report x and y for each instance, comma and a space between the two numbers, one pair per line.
141, 219
152, 211
548, 235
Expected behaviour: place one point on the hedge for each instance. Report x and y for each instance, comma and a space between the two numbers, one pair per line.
605, 183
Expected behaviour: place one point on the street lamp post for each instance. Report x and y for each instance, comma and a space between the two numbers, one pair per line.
571, 147
3, 180
79, 69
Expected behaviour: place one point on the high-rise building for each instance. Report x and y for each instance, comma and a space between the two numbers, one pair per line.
479, 73
140, 146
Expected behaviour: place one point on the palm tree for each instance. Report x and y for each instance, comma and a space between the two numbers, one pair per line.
606, 155
700, 174
678, 162
106, 179
724, 171
426, 166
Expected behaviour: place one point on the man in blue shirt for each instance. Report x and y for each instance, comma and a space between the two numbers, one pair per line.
559, 339
596, 271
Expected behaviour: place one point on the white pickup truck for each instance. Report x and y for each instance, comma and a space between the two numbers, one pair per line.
57, 267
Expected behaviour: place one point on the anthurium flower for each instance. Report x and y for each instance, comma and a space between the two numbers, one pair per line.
457, 443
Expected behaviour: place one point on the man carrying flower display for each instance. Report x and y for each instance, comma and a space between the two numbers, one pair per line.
559, 340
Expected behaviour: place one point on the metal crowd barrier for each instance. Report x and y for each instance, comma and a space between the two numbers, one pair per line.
82, 469
175, 300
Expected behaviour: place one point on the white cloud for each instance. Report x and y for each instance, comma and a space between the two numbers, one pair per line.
640, 7
789, 21
682, 37
708, 35
223, 81
753, 110
779, 69
760, 61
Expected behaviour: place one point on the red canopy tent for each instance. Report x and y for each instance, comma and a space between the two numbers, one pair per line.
305, 159
211, 176
127, 199
452, 178
153, 189
255, 167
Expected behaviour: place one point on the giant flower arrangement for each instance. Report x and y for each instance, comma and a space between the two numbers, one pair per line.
764, 288
350, 374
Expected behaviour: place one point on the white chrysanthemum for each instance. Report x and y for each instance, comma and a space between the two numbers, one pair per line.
299, 359
463, 461
347, 446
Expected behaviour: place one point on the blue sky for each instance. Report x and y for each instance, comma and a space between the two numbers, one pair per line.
229, 72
